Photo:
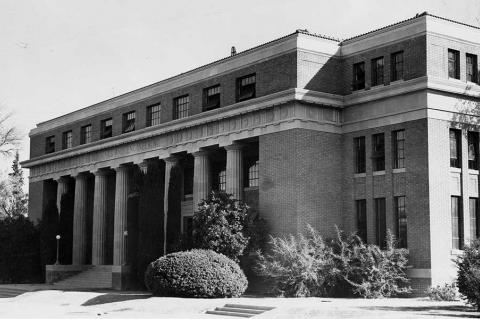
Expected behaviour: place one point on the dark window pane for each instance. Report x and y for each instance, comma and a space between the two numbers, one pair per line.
397, 66
457, 223
181, 106
401, 218
129, 122
455, 155
106, 128
381, 222
246, 88
50, 144
359, 144
86, 134
377, 71
473, 205
378, 152
398, 148
67, 140
472, 68
453, 64
361, 208
211, 98
153, 115
358, 82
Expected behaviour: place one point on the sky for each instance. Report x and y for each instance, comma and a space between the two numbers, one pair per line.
57, 56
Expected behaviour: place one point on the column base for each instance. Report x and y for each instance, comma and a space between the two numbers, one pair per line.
56, 273
122, 278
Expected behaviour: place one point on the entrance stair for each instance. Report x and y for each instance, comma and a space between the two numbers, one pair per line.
94, 277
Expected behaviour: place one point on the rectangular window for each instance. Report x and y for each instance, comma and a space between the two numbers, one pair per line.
474, 218
153, 115
457, 222
50, 144
472, 68
211, 98
472, 150
86, 134
358, 82
401, 218
128, 122
180, 107
378, 152
222, 180
359, 144
396, 63
377, 71
455, 149
361, 208
398, 148
106, 128
67, 140
381, 222
246, 87
453, 64
253, 175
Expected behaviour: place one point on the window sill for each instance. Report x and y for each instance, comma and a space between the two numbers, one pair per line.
378, 173
472, 83
455, 170
399, 170
397, 81
456, 252
473, 172
358, 175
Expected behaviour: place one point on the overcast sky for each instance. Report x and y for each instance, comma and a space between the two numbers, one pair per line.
60, 56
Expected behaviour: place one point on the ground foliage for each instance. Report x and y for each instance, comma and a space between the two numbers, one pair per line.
197, 273
468, 280
447, 292
306, 265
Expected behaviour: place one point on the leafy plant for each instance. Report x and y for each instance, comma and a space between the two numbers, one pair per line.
218, 225
197, 273
447, 292
468, 280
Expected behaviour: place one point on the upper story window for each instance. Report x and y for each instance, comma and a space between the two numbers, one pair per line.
378, 152
67, 140
246, 87
377, 71
359, 147
398, 143
453, 64
86, 134
153, 115
358, 79
455, 149
211, 98
50, 144
180, 107
106, 128
128, 122
472, 68
253, 175
472, 150
396, 63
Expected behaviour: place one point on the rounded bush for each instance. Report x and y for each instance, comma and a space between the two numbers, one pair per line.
196, 273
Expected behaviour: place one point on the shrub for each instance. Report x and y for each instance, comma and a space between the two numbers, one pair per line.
308, 266
218, 225
447, 292
468, 280
197, 273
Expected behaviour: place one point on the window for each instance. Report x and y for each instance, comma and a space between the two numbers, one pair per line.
398, 148
359, 144
67, 140
472, 150
50, 144
128, 122
86, 134
361, 208
106, 128
222, 180
253, 175
211, 98
246, 87
358, 76
153, 115
180, 107
453, 64
474, 218
457, 223
472, 68
381, 222
378, 152
455, 149
396, 64
401, 218
377, 71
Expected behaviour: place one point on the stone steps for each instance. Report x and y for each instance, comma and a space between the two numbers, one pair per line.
9, 292
94, 278
238, 310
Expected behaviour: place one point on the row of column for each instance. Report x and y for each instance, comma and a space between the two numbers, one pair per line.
201, 189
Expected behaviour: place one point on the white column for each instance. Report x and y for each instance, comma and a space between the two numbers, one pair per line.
120, 220
62, 189
99, 235
79, 253
235, 171
170, 163
201, 177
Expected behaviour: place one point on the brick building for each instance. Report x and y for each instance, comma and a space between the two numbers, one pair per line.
371, 133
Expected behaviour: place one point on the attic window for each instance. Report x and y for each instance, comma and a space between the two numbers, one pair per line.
246, 87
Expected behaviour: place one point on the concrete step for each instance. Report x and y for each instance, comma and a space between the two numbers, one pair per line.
231, 314
95, 277
239, 310
8, 292
264, 308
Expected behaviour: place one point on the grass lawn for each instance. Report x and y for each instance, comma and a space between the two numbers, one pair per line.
69, 304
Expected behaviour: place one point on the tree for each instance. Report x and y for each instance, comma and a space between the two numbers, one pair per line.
219, 224
468, 280
13, 200
9, 137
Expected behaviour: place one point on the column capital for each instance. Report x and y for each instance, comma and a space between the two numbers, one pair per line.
173, 159
122, 168
200, 153
101, 172
80, 175
62, 179
233, 147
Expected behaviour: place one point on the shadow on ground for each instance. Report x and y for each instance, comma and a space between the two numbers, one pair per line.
437, 311
116, 297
